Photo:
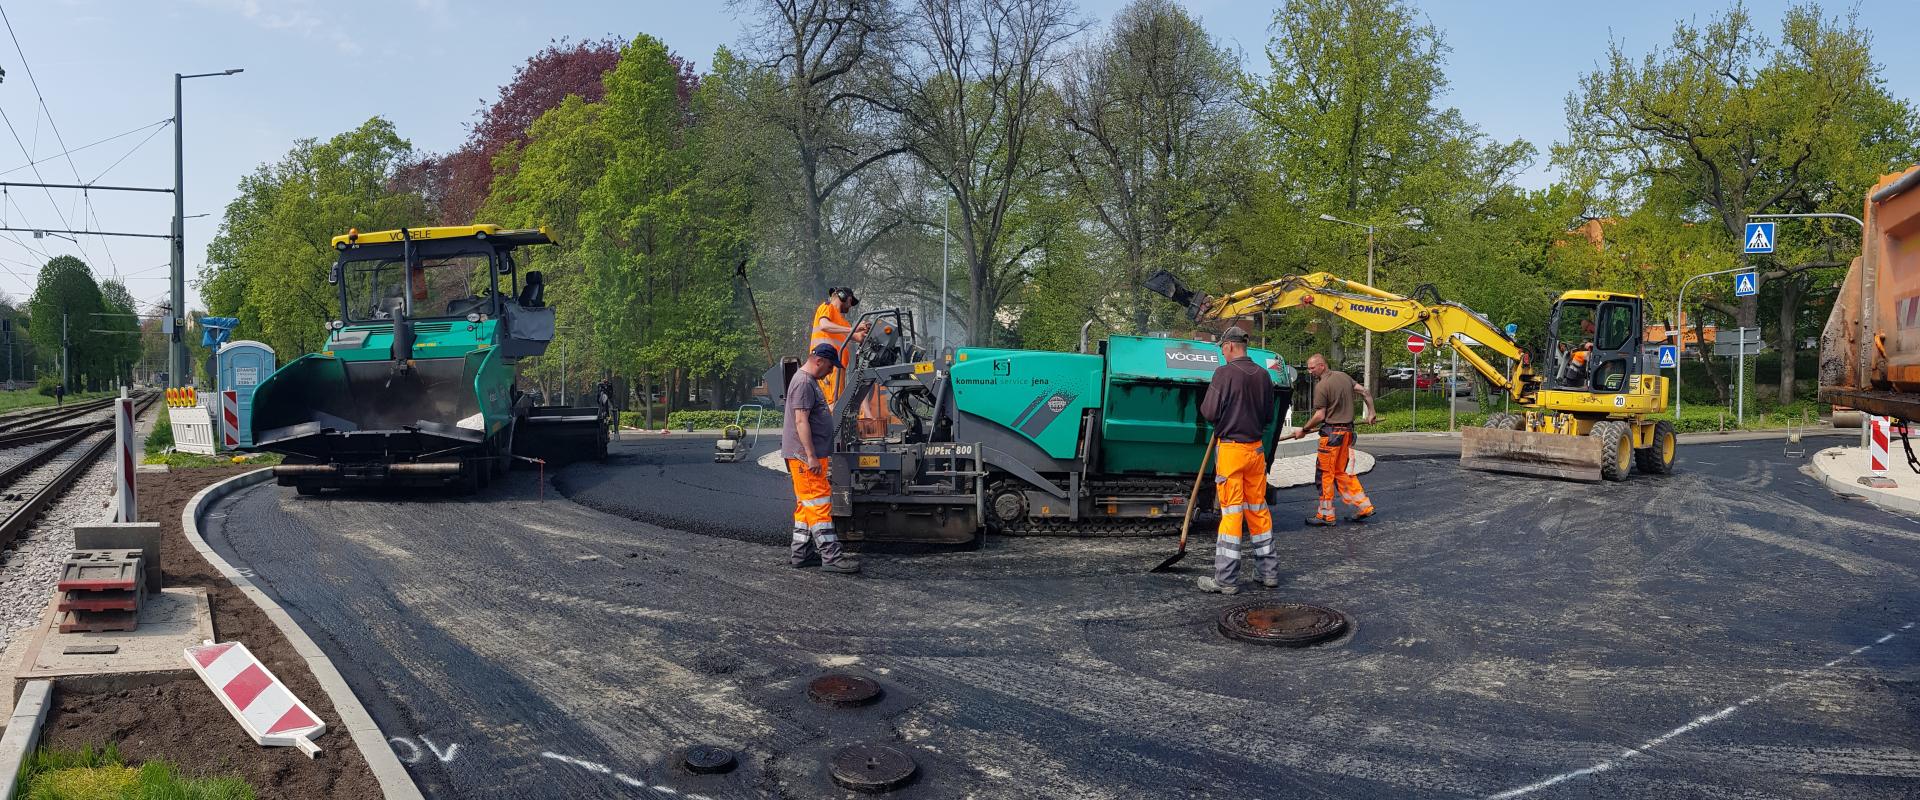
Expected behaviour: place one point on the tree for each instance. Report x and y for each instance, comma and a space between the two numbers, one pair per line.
117, 326
64, 300
457, 183
1156, 140
819, 55
1724, 123
969, 83
1349, 123
269, 261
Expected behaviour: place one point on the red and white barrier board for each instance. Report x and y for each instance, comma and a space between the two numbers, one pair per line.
229, 419
124, 507
1879, 435
259, 701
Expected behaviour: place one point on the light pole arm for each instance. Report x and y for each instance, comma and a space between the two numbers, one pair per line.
1680, 336
1820, 215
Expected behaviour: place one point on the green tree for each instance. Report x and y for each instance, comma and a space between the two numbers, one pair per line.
268, 264
1157, 144
118, 328
1724, 122
64, 300
1349, 123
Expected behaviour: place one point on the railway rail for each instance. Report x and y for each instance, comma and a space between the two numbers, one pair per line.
29, 485
42, 417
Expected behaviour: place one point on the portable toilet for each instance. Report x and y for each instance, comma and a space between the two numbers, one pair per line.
242, 366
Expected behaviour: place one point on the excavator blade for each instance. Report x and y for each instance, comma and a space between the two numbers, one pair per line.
1552, 455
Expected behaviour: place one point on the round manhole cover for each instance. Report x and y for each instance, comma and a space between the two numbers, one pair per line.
872, 768
841, 690
1283, 624
707, 759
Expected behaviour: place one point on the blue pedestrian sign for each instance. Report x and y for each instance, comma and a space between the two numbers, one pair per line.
1669, 356
1759, 237
1746, 284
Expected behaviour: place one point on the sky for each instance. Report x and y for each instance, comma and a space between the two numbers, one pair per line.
315, 68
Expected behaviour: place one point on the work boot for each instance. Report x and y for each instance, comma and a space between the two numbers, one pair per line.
1320, 522
844, 565
1271, 581
809, 561
1211, 586
1362, 516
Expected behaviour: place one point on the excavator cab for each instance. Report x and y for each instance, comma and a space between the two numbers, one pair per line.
1594, 343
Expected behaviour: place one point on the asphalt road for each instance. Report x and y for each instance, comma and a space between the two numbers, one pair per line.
1731, 631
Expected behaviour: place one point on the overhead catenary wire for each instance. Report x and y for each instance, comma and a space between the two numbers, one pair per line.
162, 124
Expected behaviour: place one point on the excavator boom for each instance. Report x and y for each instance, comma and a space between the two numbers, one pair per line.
1557, 447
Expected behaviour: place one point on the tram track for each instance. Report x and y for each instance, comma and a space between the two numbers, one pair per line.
28, 485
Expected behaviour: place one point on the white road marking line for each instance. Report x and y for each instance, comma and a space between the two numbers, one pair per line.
1698, 722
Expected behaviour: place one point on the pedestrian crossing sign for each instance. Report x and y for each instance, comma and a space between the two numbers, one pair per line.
1759, 237
1669, 356
1746, 284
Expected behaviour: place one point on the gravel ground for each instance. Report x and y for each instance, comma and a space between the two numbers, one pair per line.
29, 570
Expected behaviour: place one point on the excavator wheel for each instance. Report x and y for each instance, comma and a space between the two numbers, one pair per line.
1616, 448
1657, 458
1504, 421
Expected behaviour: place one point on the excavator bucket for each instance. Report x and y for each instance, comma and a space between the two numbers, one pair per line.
1553, 455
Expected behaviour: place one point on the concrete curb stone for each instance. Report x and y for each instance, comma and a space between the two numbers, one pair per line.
23, 732
1821, 465
395, 783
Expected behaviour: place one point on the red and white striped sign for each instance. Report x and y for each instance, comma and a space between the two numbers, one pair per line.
259, 701
230, 419
1877, 449
125, 508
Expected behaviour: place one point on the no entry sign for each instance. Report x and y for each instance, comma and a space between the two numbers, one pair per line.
1416, 343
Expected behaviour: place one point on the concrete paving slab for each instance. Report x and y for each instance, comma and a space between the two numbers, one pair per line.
23, 731
170, 622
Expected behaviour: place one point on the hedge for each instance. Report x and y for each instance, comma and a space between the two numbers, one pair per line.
679, 420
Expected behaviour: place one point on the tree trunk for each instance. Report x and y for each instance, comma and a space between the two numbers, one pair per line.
1792, 292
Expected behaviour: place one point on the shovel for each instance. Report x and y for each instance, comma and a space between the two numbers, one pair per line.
1187, 521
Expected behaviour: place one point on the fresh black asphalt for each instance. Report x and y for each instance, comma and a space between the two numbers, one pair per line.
1512, 635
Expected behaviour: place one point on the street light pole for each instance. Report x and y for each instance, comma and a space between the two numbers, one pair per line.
1366, 357
177, 366
945, 239
1680, 335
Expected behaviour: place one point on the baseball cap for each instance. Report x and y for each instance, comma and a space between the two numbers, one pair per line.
1234, 334
825, 351
845, 293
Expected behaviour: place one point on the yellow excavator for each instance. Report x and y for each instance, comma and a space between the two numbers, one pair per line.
1589, 417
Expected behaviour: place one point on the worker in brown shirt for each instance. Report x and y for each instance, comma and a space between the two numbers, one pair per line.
1333, 395
1239, 403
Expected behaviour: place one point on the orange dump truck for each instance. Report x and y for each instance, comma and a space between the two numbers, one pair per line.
1870, 350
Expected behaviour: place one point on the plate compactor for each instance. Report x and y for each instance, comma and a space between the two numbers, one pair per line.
1022, 442
416, 384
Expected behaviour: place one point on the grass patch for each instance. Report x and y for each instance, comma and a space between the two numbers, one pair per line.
1396, 414
90, 774
30, 398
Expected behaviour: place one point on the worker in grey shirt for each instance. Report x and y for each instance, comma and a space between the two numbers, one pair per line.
806, 441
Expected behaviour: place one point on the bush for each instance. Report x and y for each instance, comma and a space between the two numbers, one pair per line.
161, 437
679, 420
46, 384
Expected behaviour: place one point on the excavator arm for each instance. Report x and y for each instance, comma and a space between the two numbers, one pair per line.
1370, 308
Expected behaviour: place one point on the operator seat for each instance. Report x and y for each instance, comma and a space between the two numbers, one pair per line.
534, 293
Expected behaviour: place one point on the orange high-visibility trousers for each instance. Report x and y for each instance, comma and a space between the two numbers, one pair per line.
812, 512
1240, 487
1336, 454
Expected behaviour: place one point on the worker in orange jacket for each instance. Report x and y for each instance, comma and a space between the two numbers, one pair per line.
1333, 393
830, 327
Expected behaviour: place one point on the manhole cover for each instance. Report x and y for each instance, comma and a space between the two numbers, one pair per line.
1284, 624
707, 759
872, 768
841, 690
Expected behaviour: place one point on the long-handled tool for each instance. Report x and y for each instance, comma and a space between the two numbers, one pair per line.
1192, 498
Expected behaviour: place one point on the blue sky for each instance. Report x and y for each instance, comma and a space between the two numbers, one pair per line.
318, 67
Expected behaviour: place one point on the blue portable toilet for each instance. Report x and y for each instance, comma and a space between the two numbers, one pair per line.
242, 366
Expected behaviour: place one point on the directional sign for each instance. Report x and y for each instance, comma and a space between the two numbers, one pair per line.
1669, 356
1759, 237
1416, 343
1746, 284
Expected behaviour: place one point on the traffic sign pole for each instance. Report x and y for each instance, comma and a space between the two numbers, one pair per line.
1415, 344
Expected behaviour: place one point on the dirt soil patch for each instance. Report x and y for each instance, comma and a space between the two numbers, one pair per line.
176, 718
